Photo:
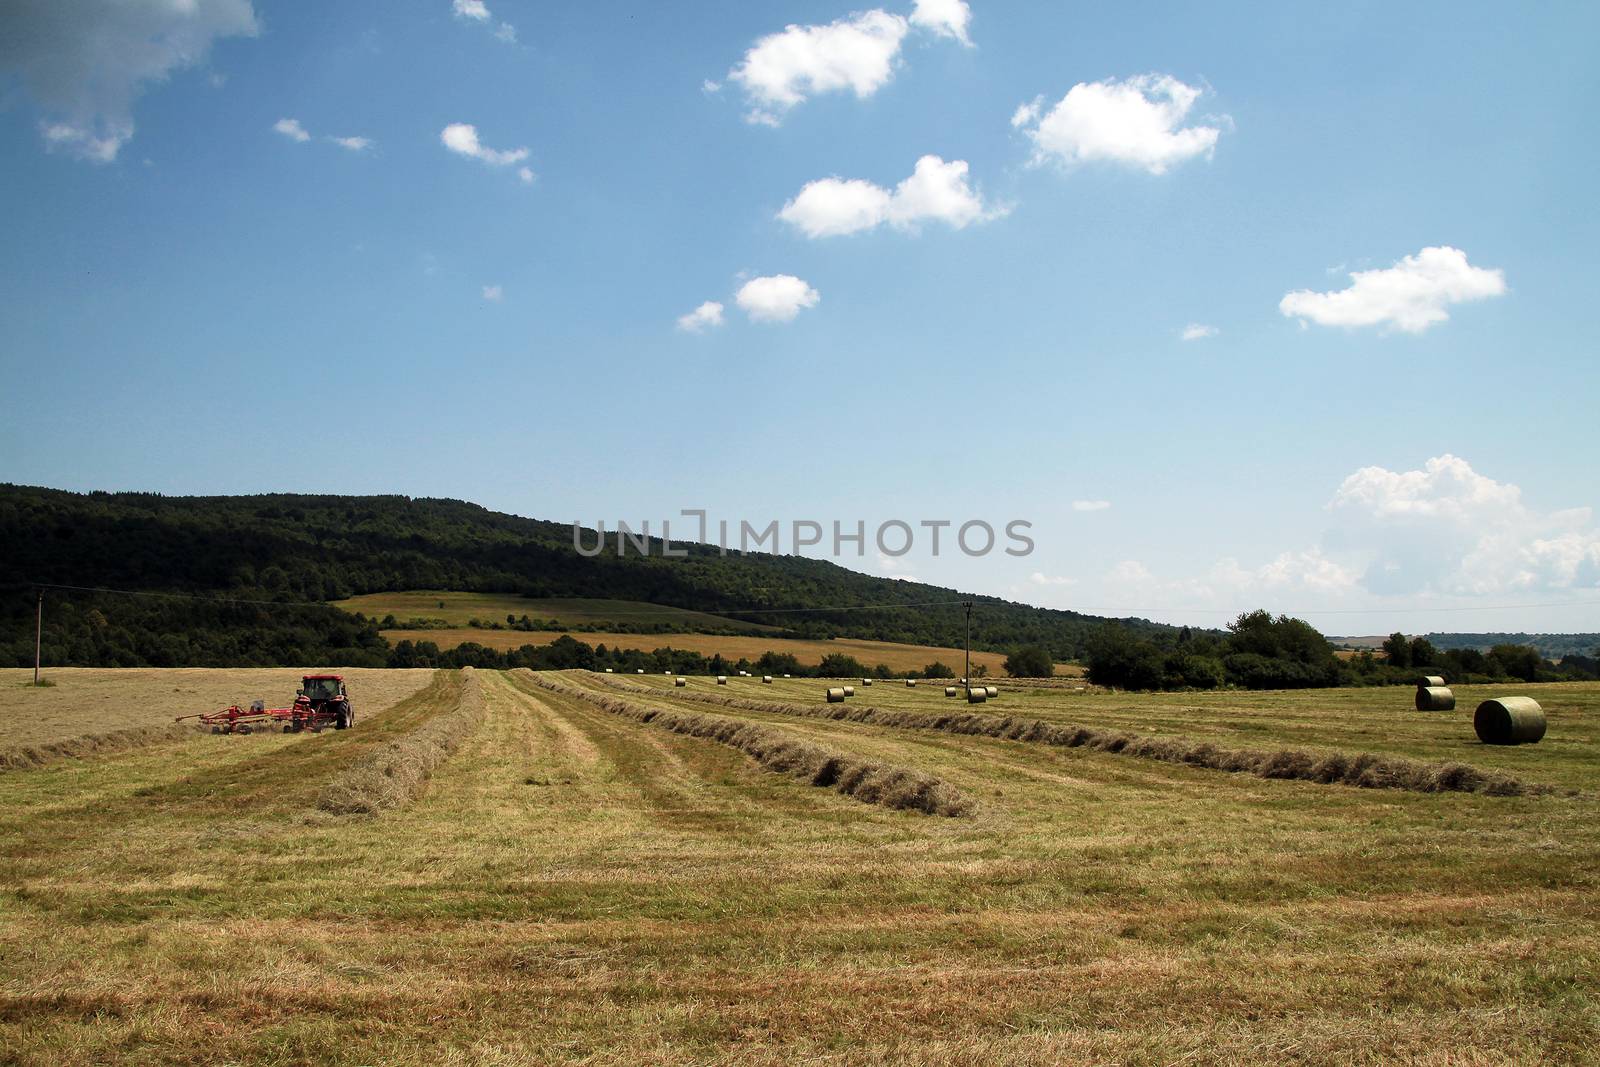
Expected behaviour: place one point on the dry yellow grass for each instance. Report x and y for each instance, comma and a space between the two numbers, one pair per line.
85, 701
571, 886
898, 657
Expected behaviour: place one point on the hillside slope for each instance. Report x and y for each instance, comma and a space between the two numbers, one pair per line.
303, 548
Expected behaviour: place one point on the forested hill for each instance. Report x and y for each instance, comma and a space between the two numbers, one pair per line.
298, 548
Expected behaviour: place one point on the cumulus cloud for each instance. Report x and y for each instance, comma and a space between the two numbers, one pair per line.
1040, 578
478, 11
857, 53
1137, 122
936, 191
776, 298
85, 62
292, 129
462, 138
1090, 505
1410, 296
493, 293
354, 144
1447, 529
944, 18
702, 318
525, 175
1199, 331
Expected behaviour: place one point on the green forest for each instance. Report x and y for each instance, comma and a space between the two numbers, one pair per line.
243, 579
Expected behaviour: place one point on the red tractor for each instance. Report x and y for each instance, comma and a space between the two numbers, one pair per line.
321, 701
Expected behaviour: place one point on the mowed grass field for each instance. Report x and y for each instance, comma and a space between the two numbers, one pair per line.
461, 608
897, 657
575, 886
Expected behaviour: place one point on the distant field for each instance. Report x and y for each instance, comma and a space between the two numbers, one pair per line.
870, 653
574, 886
461, 608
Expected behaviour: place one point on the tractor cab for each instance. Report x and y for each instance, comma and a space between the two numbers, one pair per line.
322, 701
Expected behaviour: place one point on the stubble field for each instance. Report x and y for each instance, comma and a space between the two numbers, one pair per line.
578, 881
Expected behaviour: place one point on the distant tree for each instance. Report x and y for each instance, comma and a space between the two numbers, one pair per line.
1423, 654
839, 665
1518, 661
937, 670
1030, 661
1398, 650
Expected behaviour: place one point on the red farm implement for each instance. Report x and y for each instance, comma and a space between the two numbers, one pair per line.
321, 702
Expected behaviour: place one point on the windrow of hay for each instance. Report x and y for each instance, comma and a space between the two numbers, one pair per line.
783, 753
395, 773
1367, 770
23, 757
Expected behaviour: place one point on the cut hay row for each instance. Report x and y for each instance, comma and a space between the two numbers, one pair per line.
395, 773
1366, 770
781, 752
24, 757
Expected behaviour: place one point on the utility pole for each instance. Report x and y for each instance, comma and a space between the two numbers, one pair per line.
967, 678
38, 634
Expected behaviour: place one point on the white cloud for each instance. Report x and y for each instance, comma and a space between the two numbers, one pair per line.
354, 144
1199, 331
462, 138
856, 53
708, 86
85, 62
1090, 505
292, 129
702, 318
478, 11
1136, 122
1446, 529
776, 298
936, 191
525, 175
1129, 572
1040, 578
945, 18
493, 293
1410, 296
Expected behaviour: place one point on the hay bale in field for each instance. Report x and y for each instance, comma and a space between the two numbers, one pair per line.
849, 690
722, 679
1428, 681
977, 694
680, 683
1435, 698
911, 683
766, 679
835, 695
866, 681
950, 690
961, 681
992, 690
639, 671
608, 670
1509, 721
786, 676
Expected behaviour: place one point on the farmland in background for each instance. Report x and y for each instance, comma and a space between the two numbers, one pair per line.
458, 609
897, 657
573, 885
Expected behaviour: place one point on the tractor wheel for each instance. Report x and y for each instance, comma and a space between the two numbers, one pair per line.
244, 730
341, 717
216, 729
288, 729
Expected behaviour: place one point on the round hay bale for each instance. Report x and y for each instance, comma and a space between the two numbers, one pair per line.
950, 690
641, 670
961, 681
836, 696
1435, 698
1509, 721
911, 683
722, 679
849, 690
866, 681
992, 690
680, 682
1430, 681
766, 679
608, 670
977, 695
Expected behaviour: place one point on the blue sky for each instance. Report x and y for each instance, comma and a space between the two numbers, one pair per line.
198, 297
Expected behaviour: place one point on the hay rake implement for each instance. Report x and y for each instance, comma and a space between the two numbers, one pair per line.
321, 702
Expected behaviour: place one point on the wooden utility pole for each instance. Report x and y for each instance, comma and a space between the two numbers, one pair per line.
967, 678
38, 634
